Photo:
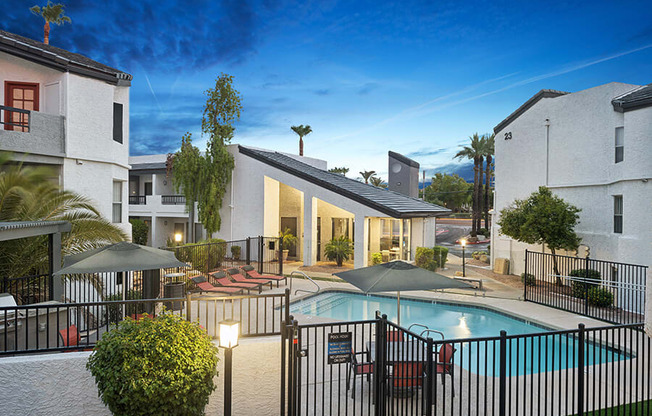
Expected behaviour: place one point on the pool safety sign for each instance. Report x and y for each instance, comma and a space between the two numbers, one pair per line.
339, 348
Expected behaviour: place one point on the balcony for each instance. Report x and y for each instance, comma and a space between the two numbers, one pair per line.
157, 205
32, 132
173, 200
137, 200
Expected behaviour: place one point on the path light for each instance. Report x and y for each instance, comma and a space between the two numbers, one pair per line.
229, 331
463, 242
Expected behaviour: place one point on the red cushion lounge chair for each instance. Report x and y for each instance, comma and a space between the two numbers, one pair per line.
444, 364
70, 336
252, 272
237, 276
205, 286
222, 279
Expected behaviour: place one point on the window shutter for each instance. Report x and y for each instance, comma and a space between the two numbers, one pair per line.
117, 122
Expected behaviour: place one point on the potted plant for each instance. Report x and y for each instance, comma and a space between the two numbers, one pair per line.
338, 250
287, 240
235, 252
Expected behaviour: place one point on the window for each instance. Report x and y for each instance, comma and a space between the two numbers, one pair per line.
148, 188
117, 201
620, 144
117, 122
618, 214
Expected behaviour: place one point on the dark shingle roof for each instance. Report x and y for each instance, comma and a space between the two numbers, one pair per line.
151, 167
526, 106
388, 202
638, 98
60, 59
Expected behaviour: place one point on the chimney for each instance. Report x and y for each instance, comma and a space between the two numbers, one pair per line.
403, 175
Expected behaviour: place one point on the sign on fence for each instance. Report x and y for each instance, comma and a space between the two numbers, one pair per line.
339, 348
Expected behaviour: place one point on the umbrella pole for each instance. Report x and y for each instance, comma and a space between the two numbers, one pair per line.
398, 297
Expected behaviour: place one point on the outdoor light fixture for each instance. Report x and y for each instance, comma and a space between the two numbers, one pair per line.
463, 243
178, 237
229, 331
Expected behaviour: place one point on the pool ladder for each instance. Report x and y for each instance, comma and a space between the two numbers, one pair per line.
427, 330
307, 277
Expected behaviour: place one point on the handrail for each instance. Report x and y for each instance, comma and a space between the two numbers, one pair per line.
426, 330
307, 277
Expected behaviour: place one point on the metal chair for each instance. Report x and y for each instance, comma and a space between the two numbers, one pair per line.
358, 369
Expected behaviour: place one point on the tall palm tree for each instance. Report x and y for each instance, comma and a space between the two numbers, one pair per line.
377, 181
301, 130
367, 174
51, 13
474, 152
489, 150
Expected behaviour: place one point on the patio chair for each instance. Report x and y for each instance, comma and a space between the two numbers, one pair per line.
238, 277
222, 279
395, 336
358, 369
444, 364
205, 286
252, 272
405, 377
70, 336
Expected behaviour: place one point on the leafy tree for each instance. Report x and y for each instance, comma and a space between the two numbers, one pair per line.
339, 249
475, 152
139, 231
450, 191
542, 218
367, 174
207, 176
302, 131
489, 150
377, 181
341, 171
51, 13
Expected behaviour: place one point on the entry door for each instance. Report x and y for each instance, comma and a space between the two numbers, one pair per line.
291, 223
21, 95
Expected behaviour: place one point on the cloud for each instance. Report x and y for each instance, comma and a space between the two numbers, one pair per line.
426, 152
367, 88
322, 92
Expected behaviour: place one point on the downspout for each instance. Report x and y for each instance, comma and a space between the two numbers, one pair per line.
231, 206
547, 124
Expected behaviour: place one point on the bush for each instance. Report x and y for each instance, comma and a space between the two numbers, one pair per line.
477, 254
204, 256
483, 231
528, 279
115, 311
440, 255
139, 231
425, 258
235, 252
599, 296
159, 366
578, 289
338, 250
376, 258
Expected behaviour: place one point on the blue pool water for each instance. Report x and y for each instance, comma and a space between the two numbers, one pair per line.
528, 355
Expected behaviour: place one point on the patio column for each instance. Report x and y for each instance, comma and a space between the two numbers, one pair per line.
309, 230
648, 303
361, 245
54, 248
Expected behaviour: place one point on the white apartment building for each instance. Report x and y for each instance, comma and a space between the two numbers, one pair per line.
69, 112
271, 191
593, 148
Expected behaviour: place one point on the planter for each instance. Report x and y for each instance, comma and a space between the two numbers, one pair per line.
285, 255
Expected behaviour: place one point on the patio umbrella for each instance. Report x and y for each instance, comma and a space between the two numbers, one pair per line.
397, 276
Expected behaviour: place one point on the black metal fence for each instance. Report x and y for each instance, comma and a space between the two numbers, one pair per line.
27, 289
173, 199
605, 290
16, 119
376, 367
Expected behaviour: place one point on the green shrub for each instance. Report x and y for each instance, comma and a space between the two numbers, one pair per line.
339, 250
115, 313
376, 258
424, 258
139, 231
578, 289
483, 231
235, 252
159, 366
288, 240
440, 255
599, 296
528, 279
204, 256
477, 254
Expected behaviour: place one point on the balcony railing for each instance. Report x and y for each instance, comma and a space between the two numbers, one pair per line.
137, 200
173, 200
15, 118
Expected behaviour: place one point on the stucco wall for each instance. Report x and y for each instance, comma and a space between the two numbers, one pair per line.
59, 384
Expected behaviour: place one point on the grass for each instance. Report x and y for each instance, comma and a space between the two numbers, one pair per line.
635, 409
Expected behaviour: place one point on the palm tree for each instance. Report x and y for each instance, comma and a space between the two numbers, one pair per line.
377, 181
51, 13
30, 194
367, 174
301, 131
474, 152
489, 150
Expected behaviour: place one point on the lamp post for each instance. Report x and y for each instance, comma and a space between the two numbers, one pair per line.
463, 242
229, 331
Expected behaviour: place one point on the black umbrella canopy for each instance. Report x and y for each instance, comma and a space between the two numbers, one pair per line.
119, 257
398, 276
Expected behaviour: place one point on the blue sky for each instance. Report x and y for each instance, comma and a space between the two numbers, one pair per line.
368, 76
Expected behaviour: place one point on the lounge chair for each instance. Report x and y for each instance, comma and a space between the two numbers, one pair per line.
204, 286
406, 376
358, 369
222, 279
237, 276
444, 364
252, 272
70, 337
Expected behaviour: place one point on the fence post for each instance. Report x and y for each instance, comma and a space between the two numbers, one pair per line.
586, 286
280, 256
287, 305
502, 392
379, 368
283, 369
188, 307
580, 371
261, 245
248, 251
525, 278
430, 377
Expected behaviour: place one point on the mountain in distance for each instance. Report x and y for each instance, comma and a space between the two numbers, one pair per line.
463, 169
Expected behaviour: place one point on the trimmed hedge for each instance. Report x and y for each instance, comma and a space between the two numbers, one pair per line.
528, 279
440, 255
578, 289
376, 258
204, 256
424, 258
601, 297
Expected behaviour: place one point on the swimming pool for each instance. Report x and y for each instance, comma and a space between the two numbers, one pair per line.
528, 355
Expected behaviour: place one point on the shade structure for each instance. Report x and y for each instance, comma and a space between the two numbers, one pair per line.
119, 257
397, 276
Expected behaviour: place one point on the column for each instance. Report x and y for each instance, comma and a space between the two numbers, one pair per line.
361, 245
309, 230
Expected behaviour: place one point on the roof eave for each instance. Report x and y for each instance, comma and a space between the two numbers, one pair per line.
526, 106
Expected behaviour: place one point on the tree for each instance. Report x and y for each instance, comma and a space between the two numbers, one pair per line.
342, 171
450, 191
542, 218
139, 231
204, 178
302, 131
367, 174
51, 13
377, 181
489, 150
474, 152
32, 194
339, 249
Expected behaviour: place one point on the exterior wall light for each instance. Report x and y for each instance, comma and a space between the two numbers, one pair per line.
229, 331
178, 237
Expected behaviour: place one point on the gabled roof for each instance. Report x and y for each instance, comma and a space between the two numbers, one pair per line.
637, 98
60, 59
527, 105
388, 202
